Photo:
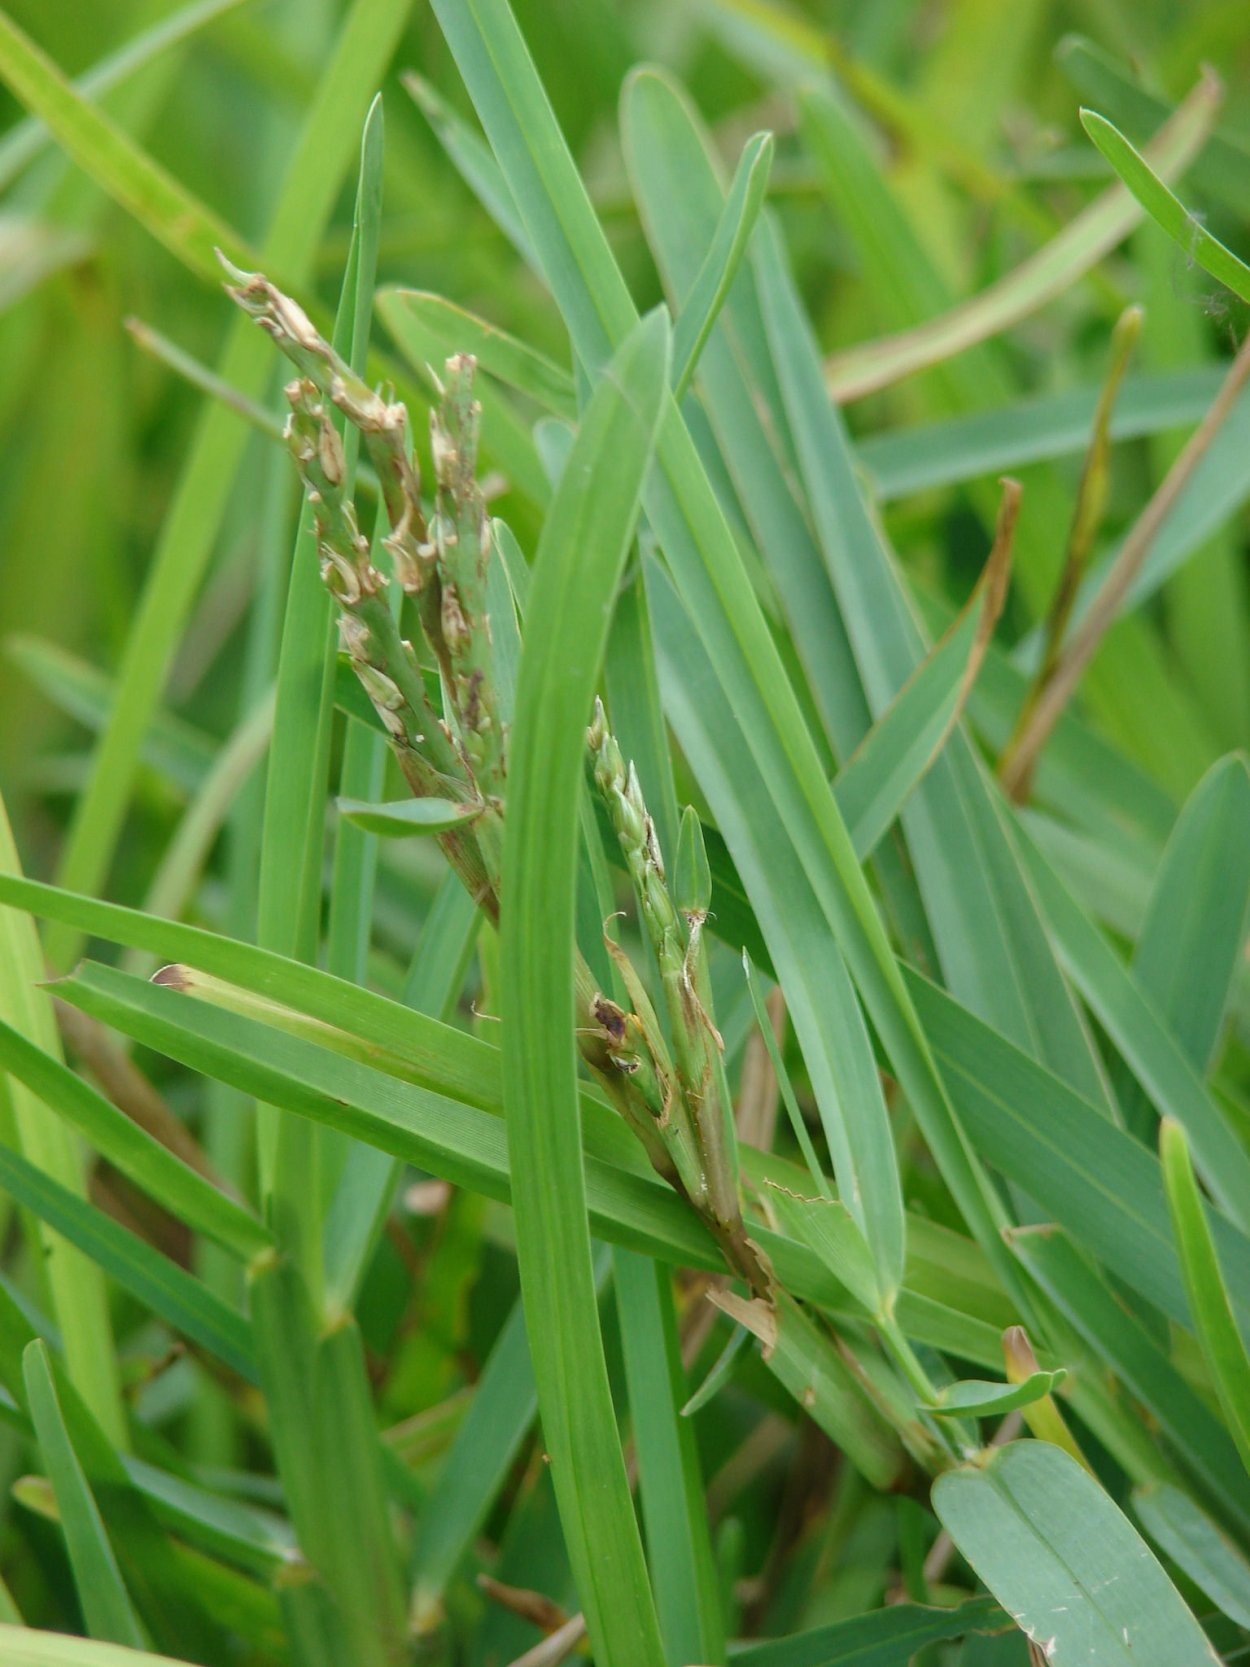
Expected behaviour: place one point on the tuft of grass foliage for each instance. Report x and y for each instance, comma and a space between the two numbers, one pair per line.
624, 889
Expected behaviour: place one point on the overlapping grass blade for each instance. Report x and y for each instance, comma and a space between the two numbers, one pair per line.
881, 1638
1198, 1546
1211, 1302
107, 1607
580, 558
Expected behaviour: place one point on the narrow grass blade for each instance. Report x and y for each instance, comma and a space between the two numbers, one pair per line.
1165, 208
76, 1292
430, 328
725, 254
674, 1509
879, 777
130, 1149
1198, 1546
24, 1648
1190, 945
1116, 1337
329, 135
1054, 268
881, 1638
107, 1608
23, 143
161, 1285
1222, 1339
188, 229
1062, 1559
293, 826
1143, 1037
583, 548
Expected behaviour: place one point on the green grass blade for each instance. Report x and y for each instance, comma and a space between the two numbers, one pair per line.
106, 1604
329, 134
674, 1509
881, 1638
130, 1149
1165, 208
188, 229
76, 1291
583, 548
699, 310
402, 818
1116, 1337
1062, 1559
292, 844
1198, 1546
429, 329
1216, 1325
1190, 945
1142, 1035
1055, 267
24, 1648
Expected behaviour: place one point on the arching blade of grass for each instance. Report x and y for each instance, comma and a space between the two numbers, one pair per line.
1210, 1303
152, 195
107, 1607
24, 1648
1054, 268
23, 143
1062, 1559
725, 255
322, 153
1222, 168
1189, 949
1165, 208
76, 1292
430, 329
580, 557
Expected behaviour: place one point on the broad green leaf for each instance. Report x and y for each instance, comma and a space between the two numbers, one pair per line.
152, 1166
107, 1607
1064, 1562
1083, 242
582, 551
327, 140
1165, 208
715, 277
1198, 1546
402, 818
882, 1638
975, 1398
1214, 1319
